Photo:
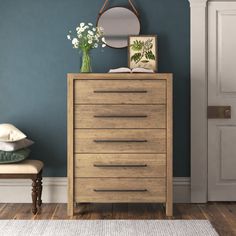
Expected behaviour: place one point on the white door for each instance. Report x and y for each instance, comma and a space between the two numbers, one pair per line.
222, 92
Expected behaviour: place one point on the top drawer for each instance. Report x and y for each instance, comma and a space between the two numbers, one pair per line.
120, 92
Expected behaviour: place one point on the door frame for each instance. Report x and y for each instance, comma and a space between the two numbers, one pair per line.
199, 98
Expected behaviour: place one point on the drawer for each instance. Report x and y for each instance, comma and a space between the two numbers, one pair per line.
120, 116
120, 165
108, 190
120, 92
120, 141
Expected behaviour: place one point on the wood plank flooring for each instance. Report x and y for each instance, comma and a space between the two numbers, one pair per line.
221, 215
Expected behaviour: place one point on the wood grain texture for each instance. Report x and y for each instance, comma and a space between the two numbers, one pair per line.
169, 148
218, 219
8, 211
105, 132
47, 212
85, 141
25, 212
70, 144
120, 91
120, 116
155, 190
119, 76
110, 165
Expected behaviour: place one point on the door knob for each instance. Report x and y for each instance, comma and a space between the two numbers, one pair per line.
227, 113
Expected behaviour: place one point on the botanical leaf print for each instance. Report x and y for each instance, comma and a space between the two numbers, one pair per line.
137, 45
142, 51
136, 57
149, 55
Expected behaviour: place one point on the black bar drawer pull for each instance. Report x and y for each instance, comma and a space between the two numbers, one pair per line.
119, 165
120, 141
120, 116
120, 91
120, 190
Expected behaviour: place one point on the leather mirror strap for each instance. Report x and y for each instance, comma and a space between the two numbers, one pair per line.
106, 3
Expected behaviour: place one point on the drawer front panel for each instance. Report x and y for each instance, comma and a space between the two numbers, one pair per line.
120, 141
120, 165
120, 116
108, 190
120, 92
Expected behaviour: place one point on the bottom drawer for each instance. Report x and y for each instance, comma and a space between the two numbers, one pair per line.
113, 190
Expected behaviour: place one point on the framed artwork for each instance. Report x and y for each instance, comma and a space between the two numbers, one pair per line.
142, 52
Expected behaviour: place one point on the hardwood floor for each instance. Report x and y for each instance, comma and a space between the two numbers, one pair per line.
221, 215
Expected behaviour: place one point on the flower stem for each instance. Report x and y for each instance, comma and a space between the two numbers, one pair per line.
86, 62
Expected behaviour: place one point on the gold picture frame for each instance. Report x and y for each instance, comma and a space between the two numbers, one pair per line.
142, 52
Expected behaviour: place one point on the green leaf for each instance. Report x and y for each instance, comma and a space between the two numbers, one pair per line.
136, 57
137, 45
149, 55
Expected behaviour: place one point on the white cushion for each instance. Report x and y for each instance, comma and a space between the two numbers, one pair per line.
14, 146
24, 167
9, 133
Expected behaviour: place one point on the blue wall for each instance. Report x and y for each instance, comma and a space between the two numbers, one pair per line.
35, 57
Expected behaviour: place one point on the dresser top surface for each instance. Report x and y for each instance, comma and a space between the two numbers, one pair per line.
120, 76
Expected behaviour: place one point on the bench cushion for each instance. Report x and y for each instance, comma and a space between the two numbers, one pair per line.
24, 167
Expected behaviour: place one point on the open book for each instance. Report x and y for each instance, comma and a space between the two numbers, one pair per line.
128, 70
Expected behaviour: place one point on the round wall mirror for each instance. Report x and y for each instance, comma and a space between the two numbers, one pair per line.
118, 24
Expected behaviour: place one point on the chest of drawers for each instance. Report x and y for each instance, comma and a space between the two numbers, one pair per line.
119, 139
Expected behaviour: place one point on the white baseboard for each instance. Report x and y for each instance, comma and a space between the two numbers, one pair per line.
55, 190
181, 190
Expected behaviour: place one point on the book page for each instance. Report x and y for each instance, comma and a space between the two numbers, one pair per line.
120, 70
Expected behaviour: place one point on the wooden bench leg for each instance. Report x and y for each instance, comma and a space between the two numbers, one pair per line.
39, 189
34, 196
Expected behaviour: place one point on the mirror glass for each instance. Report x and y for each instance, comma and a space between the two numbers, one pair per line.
118, 24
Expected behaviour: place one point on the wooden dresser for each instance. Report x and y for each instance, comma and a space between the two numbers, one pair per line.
119, 139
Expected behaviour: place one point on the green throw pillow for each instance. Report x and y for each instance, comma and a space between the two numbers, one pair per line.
15, 156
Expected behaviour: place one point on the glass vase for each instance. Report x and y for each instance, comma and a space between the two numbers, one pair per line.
86, 62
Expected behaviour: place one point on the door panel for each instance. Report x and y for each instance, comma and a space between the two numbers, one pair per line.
228, 152
222, 92
226, 50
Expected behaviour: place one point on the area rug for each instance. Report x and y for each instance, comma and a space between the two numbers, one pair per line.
106, 228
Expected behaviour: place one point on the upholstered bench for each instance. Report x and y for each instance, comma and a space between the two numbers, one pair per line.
28, 169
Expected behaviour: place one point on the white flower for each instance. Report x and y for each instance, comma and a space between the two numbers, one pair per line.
95, 45
90, 32
94, 29
69, 37
103, 45
90, 42
90, 24
75, 41
76, 46
103, 40
82, 24
79, 36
